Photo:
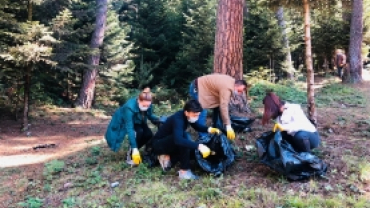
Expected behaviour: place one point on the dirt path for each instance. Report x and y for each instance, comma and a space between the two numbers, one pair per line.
61, 131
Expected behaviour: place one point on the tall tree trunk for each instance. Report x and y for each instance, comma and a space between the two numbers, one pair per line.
228, 57
355, 44
27, 79
86, 95
288, 56
310, 72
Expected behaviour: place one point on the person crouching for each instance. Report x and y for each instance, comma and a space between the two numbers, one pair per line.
173, 143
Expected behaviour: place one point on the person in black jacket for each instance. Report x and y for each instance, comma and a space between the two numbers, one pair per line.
172, 142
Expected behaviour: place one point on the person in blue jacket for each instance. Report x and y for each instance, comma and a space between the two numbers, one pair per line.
131, 119
172, 142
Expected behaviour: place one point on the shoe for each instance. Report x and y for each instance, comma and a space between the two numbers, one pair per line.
165, 162
187, 175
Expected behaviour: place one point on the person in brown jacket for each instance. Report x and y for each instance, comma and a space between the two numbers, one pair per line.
214, 91
340, 61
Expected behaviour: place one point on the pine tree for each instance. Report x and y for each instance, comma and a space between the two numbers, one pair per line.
87, 92
148, 23
263, 47
31, 47
228, 58
197, 44
116, 75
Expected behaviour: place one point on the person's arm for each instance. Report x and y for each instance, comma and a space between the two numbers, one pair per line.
178, 134
287, 120
225, 96
153, 118
129, 125
199, 127
344, 61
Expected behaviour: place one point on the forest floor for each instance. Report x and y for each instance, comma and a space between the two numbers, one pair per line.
63, 161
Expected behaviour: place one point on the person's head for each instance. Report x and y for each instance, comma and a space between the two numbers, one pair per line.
145, 99
192, 110
240, 86
272, 107
339, 51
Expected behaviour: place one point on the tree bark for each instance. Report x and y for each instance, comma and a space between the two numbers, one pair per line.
355, 44
86, 95
310, 72
27, 79
288, 56
228, 58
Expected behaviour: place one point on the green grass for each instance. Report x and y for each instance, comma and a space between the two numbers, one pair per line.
144, 187
290, 93
335, 93
340, 93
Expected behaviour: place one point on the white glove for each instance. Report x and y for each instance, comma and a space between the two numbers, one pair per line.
204, 150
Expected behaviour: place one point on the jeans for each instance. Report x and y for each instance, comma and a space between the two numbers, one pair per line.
216, 120
167, 146
143, 135
303, 141
339, 71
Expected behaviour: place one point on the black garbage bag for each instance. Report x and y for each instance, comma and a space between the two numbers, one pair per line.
222, 157
280, 156
241, 124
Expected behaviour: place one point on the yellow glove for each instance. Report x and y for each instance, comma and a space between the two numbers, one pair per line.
204, 150
214, 130
230, 132
277, 126
136, 158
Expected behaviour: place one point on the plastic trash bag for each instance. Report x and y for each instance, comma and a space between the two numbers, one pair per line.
280, 156
241, 124
222, 155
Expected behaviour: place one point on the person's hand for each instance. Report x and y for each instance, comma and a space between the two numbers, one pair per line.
136, 158
277, 126
230, 132
204, 150
214, 130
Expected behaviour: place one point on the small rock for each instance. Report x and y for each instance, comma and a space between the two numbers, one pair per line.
67, 185
28, 134
115, 184
343, 106
330, 130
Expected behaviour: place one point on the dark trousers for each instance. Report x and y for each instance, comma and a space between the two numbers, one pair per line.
339, 68
303, 141
143, 135
167, 146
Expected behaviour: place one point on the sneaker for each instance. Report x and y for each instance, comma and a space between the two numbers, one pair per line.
187, 175
165, 162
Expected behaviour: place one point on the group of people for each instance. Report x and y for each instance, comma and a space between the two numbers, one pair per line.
172, 144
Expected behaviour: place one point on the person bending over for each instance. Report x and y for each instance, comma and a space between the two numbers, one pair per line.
290, 118
214, 91
131, 120
172, 143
